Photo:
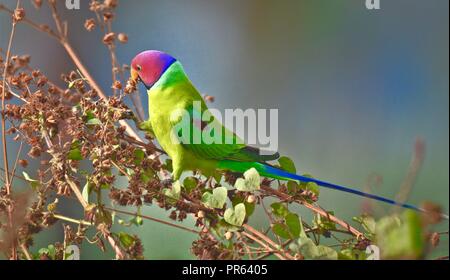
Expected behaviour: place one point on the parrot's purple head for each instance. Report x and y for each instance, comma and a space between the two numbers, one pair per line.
149, 66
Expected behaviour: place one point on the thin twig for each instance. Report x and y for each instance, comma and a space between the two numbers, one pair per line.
119, 254
25, 252
152, 219
417, 159
265, 239
71, 220
276, 253
15, 163
77, 192
4, 144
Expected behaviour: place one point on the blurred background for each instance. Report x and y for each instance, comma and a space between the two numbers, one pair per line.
354, 87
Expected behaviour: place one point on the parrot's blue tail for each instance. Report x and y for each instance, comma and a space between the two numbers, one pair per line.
276, 173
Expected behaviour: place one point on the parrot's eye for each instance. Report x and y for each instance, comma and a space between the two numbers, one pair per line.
138, 67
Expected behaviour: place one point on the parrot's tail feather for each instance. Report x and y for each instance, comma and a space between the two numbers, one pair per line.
276, 173
289, 176
281, 174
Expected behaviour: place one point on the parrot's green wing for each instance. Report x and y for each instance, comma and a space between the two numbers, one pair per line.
209, 139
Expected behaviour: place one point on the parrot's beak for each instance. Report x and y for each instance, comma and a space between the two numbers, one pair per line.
134, 75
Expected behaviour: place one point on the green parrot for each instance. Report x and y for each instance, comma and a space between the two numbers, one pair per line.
178, 112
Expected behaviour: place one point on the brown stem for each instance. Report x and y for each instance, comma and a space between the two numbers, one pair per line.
15, 163
77, 192
278, 255
4, 144
413, 169
266, 239
153, 219
119, 254
25, 252
71, 220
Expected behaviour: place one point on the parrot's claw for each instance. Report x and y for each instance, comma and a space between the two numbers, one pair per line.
167, 182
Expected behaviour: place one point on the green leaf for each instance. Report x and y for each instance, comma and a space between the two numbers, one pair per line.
249, 207
401, 236
168, 165
250, 183
86, 191
349, 254
190, 183
126, 239
281, 230
89, 115
221, 227
33, 183
294, 224
75, 154
174, 192
235, 216
129, 171
75, 151
310, 186
139, 156
217, 176
279, 209
138, 220
147, 175
94, 121
323, 222
311, 251
290, 228
287, 164
216, 199
292, 186
368, 223
50, 251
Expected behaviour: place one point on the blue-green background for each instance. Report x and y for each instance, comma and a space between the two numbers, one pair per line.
354, 87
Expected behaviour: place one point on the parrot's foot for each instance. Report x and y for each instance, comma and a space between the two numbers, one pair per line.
167, 182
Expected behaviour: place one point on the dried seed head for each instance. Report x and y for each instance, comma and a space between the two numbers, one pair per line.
117, 85
173, 215
131, 86
228, 235
23, 163
19, 14
7, 92
89, 24
200, 214
42, 81
432, 214
51, 119
35, 73
108, 16
12, 130
109, 38
123, 38
35, 152
52, 206
434, 239
111, 3
251, 199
